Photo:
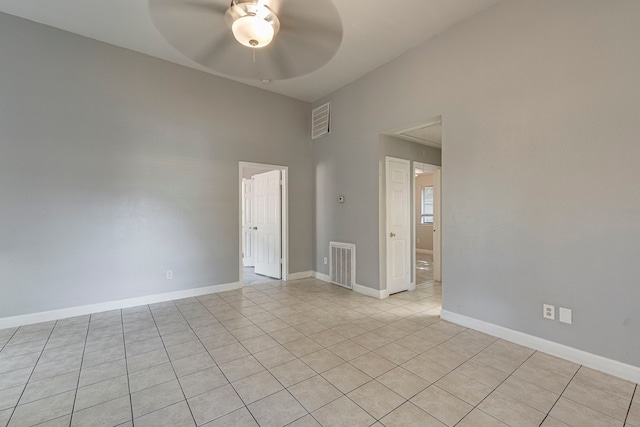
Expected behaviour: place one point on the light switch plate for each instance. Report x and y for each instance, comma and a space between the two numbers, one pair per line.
565, 315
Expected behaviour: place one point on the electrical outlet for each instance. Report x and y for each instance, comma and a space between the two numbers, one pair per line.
565, 315
549, 312
169, 274
325, 260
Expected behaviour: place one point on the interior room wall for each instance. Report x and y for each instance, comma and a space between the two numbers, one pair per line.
539, 101
116, 167
424, 232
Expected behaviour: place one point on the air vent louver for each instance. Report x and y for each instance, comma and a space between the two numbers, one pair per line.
342, 269
321, 121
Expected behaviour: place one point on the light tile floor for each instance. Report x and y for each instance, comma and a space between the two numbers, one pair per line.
249, 277
424, 268
302, 353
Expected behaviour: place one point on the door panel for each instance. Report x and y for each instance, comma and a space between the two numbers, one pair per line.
268, 221
398, 233
248, 234
437, 224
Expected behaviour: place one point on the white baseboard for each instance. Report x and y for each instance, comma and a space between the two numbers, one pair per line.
364, 290
322, 276
300, 275
609, 366
45, 316
424, 251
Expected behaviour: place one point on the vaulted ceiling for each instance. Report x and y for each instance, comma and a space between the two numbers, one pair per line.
374, 32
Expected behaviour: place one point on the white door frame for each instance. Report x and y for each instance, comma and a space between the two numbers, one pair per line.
284, 170
432, 169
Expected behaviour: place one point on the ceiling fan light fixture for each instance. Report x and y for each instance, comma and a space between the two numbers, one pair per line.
252, 24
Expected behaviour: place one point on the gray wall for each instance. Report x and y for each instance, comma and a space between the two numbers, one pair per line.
540, 103
115, 167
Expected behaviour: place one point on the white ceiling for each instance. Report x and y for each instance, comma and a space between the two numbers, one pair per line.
428, 132
375, 32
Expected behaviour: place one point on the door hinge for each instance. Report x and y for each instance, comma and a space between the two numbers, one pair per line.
281, 261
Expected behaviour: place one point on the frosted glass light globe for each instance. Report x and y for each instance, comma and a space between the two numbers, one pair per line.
252, 31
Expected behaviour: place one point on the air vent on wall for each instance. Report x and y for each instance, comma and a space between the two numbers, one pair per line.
342, 269
321, 121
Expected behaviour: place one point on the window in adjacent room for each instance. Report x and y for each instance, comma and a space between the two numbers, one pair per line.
427, 205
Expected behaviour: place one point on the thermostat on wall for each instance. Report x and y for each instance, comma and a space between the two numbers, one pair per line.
340, 199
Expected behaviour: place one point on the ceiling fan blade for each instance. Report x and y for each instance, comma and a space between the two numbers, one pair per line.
214, 51
310, 35
277, 64
310, 17
171, 6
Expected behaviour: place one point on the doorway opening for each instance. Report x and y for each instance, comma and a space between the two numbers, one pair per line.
427, 242
263, 223
420, 145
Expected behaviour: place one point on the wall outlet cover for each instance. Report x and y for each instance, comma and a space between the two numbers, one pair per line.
549, 311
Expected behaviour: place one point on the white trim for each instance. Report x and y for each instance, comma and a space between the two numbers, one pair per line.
300, 275
284, 215
45, 316
424, 251
322, 276
364, 290
593, 361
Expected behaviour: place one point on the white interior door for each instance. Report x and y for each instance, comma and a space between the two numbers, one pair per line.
248, 220
398, 225
437, 220
268, 224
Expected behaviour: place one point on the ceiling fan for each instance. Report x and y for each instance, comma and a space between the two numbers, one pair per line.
252, 39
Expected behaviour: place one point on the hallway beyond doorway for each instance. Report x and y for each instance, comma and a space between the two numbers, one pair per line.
424, 268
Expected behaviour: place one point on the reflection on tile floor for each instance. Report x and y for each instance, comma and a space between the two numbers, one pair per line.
249, 277
300, 353
424, 268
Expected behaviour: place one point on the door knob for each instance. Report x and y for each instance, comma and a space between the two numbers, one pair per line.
392, 234
255, 228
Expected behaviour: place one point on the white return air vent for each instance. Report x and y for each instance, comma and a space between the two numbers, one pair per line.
321, 121
342, 269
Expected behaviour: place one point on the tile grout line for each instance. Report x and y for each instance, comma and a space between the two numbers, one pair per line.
84, 348
594, 409
32, 371
633, 395
496, 387
164, 346
10, 338
218, 365
559, 395
266, 369
126, 362
375, 378
214, 361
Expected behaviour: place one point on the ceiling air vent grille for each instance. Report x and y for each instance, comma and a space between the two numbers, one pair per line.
321, 121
